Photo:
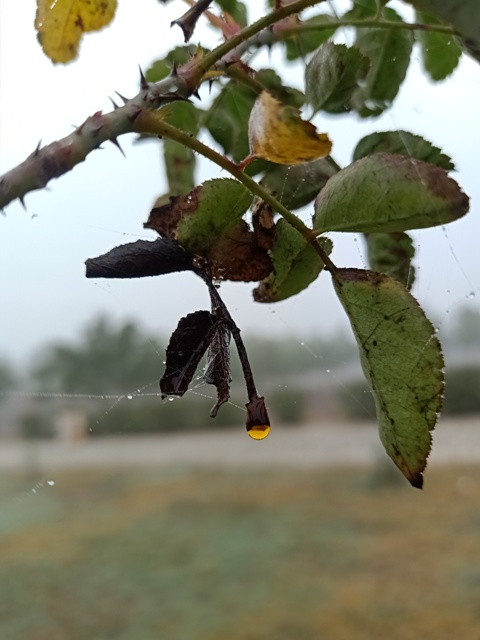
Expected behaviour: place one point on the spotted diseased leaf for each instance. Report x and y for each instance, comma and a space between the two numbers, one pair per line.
389, 52
187, 345
208, 223
295, 265
221, 204
405, 144
440, 52
199, 218
386, 192
392, 254
277, 133
60, 25
217, 370
332, 76
238, 255
402, 360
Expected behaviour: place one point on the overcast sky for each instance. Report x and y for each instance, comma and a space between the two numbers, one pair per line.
44, 295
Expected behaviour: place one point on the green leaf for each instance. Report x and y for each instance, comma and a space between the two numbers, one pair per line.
402, 360
405, 144
463, 15
362, 9
389, 52
295, 264
385, 192
332, 76
227, 119
162, 68
236, 9
215, 206
392, 253
440, 52
180, 160
303, 42
297, 185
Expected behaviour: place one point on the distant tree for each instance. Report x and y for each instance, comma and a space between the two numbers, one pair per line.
8, 379
106, 359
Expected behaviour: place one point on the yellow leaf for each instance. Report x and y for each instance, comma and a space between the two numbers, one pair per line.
278, 133
61, 24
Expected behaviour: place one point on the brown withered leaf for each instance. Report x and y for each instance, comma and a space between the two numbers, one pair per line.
217, 371
140, 259
237, 256
164, 219
187, 345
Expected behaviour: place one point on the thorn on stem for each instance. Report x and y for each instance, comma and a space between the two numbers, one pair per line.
143, 81
196, 94
174, 72
115, 105
125, 100
22, 200
117, 144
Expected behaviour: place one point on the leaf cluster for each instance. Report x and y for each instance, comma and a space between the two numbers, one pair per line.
229, 228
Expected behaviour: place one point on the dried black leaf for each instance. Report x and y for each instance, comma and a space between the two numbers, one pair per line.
217, 371
187, 345
140, 259
188, 21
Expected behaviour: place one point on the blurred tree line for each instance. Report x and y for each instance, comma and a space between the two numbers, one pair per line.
112, 374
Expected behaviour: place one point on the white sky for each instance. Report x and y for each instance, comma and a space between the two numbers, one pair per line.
44, 295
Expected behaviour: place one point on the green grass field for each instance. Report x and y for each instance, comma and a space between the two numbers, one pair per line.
185, 555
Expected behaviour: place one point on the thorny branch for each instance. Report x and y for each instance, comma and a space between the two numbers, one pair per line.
57, 158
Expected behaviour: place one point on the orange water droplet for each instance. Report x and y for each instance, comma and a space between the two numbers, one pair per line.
259, 431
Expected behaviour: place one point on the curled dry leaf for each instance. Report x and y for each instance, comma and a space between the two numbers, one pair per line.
277, 133
217, 369
187, 345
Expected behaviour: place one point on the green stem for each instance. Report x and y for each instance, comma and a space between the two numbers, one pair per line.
148, 122
210, 59
380, 24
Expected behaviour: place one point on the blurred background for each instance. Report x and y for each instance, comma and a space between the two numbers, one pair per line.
124, 516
